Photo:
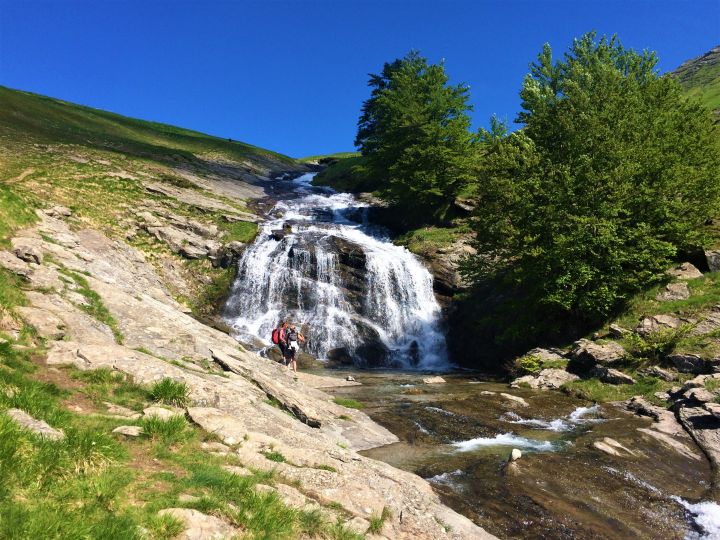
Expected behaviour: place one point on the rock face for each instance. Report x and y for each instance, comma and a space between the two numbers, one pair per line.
232, 406
713, 259
589, 353
703, 427
39, 427
692, 363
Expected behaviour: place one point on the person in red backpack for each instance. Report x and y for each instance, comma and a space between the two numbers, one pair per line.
279, 338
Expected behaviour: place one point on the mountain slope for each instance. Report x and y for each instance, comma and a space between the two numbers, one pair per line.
701, 78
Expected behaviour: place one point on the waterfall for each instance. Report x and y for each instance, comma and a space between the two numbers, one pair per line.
355, 295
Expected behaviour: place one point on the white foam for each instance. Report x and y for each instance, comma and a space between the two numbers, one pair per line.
447, 478
568, 423
705, 515
441, 411
504, 439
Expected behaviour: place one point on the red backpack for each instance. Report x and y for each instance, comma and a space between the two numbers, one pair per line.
277, 334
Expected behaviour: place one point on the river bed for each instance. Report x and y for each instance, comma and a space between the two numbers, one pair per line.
459, 436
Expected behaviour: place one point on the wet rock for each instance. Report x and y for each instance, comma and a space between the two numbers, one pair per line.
550, 378
350, 378
611, 376
199, 526
228, 255
685, 270
128, 431
660, 373
712, 256
433, 380
588, 353
674, 291
487, 393
514, 399
703, 428
39, 427
648, 325
664, 420
612, 447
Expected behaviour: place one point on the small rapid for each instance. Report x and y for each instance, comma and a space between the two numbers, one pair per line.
356, 296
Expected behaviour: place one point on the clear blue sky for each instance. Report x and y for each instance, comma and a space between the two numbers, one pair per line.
291, 75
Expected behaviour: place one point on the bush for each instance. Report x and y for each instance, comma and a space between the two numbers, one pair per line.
529, 365
170, 392
657, 345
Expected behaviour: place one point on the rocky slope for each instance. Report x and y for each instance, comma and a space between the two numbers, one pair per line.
117, 222
701, 78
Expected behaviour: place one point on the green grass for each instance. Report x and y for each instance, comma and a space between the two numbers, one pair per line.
15, 211
428, 240
377, 521
170, 431
702, 83
349, 403
594, 390
241, 231
347, 174
336, 155
277, 457
170, 392
11, 295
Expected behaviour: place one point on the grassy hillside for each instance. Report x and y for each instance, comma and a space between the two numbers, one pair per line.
103, 166
701, 78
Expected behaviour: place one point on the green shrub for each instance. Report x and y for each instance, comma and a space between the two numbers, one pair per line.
378, 521
275, 456
656, 345
170, 392
529, 365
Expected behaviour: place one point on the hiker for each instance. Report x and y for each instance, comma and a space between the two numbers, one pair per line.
292, 336
279, 338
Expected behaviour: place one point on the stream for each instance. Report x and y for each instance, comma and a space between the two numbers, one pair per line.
366, 303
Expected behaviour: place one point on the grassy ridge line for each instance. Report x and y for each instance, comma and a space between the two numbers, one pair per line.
56, 121
701, 78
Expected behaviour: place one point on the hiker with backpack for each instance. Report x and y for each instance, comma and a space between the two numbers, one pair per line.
292, 337
279, 338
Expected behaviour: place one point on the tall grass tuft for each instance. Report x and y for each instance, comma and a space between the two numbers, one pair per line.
170, 392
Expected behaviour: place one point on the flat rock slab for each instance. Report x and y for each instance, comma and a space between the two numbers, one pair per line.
514, 399
39, 427
46, 323
550, 378
433, 380
590, 353
321, 381
199, 526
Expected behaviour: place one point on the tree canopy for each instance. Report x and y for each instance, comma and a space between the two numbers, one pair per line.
414, 135
613, 173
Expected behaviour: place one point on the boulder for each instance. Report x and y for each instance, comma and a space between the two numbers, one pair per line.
648, 325
700, 395
199, 526
546, 355
674, 291
589, 353
616, 331
15, 265
515, 454
128, 431
119, 410
703, 428
685, 270
162, 413
28, 253
660, 373
712, 256
611, 376
692, 363
434, 380
550, 378
39, 427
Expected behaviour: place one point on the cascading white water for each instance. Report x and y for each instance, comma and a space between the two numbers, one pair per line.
356, 295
